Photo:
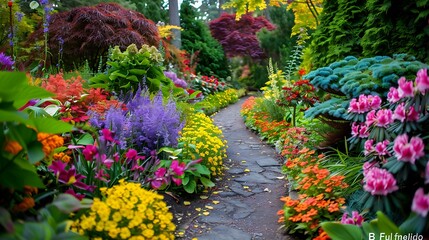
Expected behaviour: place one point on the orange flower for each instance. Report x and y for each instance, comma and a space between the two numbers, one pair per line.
49, 142
27, 203
12, 147
333, 207
296, 218
62, 156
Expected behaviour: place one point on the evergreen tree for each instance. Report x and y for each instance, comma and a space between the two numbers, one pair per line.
278, 42
196, 38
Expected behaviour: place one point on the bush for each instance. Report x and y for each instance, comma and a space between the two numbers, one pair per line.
126, 211
200, 138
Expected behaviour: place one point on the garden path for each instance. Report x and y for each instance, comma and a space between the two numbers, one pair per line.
245, 201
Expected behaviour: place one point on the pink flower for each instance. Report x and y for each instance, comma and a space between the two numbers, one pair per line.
178, 168
420, 203
177, 181
406, 88
89, 152
102, 176
379, 181
159, 178
381, 118
393, 95
107, 134
356, 219
359, 130
408, 151
422, 80
79, 196
131, 154
368, 146
367, 166
374, 102
402, 114
381, 148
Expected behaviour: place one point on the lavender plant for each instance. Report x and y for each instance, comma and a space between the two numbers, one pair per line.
146, 125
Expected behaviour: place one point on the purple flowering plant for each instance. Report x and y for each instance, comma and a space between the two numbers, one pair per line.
394, 138
6, 62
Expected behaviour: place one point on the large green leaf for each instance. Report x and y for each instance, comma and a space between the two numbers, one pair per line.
85, 139
8, 116
338, 231
35, 152
385, 224
30, 92
67, 203
207, 182
19, 173
51, 125
41, 231
190, 187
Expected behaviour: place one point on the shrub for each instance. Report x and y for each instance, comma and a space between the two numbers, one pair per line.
126, 211
89, 32
214, 102
200, 138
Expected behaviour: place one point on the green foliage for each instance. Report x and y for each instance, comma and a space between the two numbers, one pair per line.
386, 33
17, 169
378, 228
277, 43
371, 28
214, 102
52, 221
339, 32
351, 77
134, 68
196, 38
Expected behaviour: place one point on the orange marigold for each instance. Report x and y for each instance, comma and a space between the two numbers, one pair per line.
49, 142
12, 147
27, 203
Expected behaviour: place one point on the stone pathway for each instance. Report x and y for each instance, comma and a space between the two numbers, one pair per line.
245, 202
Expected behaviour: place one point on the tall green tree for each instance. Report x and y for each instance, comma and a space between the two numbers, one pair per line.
196, 38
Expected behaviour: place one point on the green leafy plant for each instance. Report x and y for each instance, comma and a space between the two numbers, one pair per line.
133, 68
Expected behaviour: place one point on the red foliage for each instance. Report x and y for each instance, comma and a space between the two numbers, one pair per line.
238, 38
64, 89
88, 32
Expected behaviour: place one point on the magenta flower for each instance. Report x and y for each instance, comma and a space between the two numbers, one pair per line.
159, 178
379, 181
131, 154
364, 104
106, 161
393, 95
374, 102
102, 176
68, 177
359, 130
369, 146
381, 148
178, 168
422, 80
89, 152
79, 196
381, 118
406, 88
408, 151
420, 203
355, 219
367, 166
402, 114
177, 181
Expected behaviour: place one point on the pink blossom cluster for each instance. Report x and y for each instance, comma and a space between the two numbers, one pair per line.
380, 148
403, 114
364, 104
359, 130
164, 175
408, 88
420, 203
408, 151
355, 219
381, 118
379, 181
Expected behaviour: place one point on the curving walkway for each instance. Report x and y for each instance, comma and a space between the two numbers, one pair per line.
246, 199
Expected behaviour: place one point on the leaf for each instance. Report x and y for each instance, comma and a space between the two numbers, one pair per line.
385, 224
207, 182
30, 92
202, 169
85, 139
51, 125
12, 116
338, 231
138, 71
35, 152
6, 220
32, 230
67, 203
190, 187
20, 173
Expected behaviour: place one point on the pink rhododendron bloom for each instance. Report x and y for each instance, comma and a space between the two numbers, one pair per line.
355, 129
420, 203
355, 219
374, 102
422, 80
408, 151
89, 152
358, 106
381, 148
406, 88
381, 118
379, 181
402, 114
370, 118
367, 166
359, 130
393, 95
369, 146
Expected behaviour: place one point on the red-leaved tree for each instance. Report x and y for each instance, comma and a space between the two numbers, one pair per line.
238, 38
86, 33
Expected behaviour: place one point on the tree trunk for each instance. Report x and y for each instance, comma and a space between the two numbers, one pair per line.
173, 11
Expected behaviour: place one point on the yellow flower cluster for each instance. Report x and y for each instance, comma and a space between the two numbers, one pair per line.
202, 139
127, 211
50, 142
